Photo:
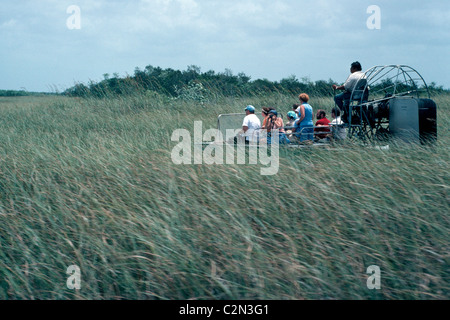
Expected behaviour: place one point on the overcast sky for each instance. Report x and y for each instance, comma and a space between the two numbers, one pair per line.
271, 39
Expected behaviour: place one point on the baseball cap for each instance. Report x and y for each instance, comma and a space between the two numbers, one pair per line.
292, 115
250, 108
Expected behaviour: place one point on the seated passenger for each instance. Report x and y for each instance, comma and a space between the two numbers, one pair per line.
304, 125
265, 113
349, 85
275, 123
291, 116
324, 125
251, 125
295, 107
340, 132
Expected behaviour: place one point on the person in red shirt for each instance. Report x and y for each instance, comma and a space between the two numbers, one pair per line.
323, 123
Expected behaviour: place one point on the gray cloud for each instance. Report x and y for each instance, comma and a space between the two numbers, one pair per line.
265, 39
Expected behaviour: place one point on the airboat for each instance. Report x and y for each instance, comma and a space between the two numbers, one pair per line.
388, 103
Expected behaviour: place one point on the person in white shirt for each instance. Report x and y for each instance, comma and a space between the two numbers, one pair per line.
251, 125
349, 85
339, 132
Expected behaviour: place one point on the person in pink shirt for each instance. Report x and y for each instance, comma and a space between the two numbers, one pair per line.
276, 123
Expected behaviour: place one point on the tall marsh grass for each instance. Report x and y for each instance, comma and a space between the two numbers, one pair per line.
90, 182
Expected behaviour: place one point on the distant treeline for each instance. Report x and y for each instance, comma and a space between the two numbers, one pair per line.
14, 93
192, 83
20, 93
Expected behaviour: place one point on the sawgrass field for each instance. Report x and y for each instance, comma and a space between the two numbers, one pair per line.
90, 182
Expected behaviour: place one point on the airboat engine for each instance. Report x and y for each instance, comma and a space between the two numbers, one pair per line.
412, 120
392, 102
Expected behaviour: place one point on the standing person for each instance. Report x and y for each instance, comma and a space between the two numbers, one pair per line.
304, 125
251, 125
340, 132
349, 85
323, 123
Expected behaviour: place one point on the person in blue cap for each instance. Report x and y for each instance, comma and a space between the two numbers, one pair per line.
292, 117
251, 125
